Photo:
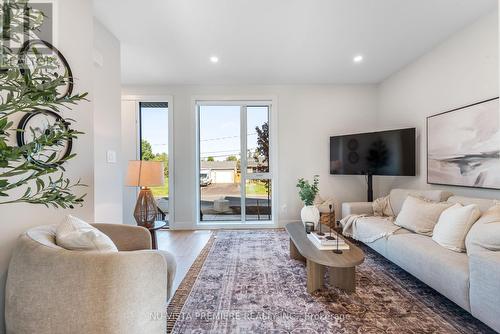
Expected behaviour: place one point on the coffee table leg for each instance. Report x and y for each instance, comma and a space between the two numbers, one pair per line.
315, 276
343, 278
294, 252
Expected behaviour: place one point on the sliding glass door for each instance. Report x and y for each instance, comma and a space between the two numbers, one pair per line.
235, 176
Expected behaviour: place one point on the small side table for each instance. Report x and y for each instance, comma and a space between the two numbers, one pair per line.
152, 229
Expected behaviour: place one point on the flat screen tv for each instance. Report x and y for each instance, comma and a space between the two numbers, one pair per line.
375, 153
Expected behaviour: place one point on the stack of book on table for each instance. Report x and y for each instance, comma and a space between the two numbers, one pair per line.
322, 243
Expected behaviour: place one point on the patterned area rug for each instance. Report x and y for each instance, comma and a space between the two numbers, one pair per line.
245, 282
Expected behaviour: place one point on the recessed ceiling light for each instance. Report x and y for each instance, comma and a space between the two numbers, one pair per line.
214, 59
358, 59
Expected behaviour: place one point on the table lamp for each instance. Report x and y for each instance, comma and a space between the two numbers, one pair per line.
145, 174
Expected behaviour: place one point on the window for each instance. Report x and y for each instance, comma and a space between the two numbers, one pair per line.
235, 170
154, 136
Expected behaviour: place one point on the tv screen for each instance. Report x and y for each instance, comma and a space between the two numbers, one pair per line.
376, 153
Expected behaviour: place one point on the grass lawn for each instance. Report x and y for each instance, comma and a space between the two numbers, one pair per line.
161, 191
256, 188
253, 188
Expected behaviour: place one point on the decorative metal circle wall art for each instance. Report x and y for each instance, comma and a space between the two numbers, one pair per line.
49, 61
44, 123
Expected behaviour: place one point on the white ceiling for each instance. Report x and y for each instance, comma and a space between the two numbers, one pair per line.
278, 41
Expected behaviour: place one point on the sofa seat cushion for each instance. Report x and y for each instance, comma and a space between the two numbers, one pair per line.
378, 228
380, 245
442, 269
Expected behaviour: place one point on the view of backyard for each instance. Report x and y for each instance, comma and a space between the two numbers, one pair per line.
221, 159
154, 140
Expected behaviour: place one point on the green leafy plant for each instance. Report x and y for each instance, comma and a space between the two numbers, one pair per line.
307, 191
261, 157
29, 84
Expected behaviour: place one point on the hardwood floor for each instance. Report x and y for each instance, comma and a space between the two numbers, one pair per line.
185, 246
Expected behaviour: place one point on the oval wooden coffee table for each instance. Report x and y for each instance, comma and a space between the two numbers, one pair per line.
341, 267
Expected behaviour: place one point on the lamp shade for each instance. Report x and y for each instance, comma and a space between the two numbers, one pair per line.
145, 174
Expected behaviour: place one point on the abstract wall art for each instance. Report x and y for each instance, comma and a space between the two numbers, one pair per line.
463, 146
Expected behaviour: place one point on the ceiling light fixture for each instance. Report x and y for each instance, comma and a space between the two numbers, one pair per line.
214, 59
358, 59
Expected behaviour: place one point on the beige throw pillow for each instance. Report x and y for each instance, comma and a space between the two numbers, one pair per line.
453, 226
419, 215
75, 234
382, 207
485, 233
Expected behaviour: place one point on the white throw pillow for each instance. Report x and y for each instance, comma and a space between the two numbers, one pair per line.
419, 215
75, 234
454, 224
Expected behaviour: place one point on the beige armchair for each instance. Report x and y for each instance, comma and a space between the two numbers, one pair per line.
51, 290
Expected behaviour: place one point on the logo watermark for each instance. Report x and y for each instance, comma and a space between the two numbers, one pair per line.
23, 21
246, 316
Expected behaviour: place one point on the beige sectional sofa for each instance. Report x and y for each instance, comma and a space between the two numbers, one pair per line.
471, 279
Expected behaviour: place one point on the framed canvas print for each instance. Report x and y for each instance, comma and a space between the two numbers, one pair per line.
463, 146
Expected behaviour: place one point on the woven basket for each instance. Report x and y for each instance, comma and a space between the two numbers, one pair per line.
325, 218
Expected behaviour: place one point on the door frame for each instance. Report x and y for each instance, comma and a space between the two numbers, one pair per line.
272, 101
171, 163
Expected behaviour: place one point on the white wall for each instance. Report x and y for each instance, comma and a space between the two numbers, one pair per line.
99, 119
108, 176
130, 149
461, 71
75, 42
307, 117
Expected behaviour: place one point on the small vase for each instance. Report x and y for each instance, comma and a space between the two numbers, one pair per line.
310, 213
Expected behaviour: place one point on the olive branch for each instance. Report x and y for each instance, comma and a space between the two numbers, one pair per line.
29, 83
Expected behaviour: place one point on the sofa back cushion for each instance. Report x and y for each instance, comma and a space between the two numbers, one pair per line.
420, 215
398, 196
485, 233
483, 203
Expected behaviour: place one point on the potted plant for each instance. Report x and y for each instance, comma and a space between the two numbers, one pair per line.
307, 194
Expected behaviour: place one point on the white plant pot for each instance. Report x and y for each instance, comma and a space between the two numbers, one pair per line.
310, 213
